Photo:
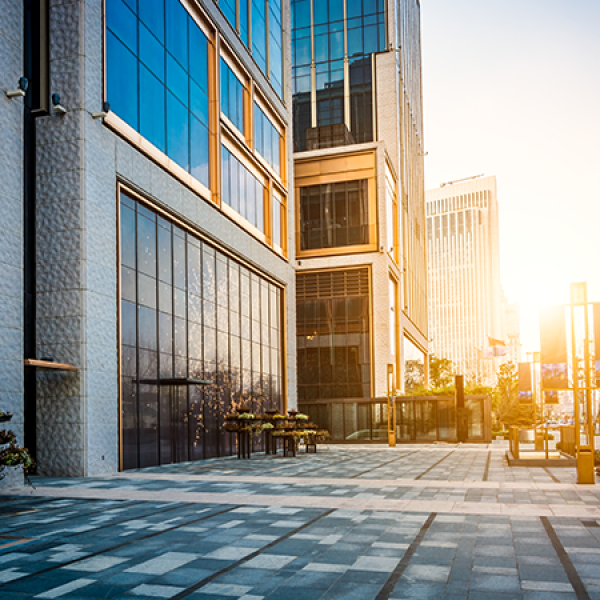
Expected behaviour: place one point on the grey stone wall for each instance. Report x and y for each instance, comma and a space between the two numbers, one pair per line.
11, 215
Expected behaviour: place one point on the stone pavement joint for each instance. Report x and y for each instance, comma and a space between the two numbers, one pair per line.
394, 578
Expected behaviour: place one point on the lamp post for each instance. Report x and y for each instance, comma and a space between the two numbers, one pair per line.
585, 453
391, 393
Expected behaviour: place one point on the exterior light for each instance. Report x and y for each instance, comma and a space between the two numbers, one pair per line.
21, 90
58, 107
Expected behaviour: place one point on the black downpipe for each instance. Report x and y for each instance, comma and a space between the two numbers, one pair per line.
35, 69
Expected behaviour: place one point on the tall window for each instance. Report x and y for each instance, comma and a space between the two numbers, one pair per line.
333, 335
242, 191
157, 78
259, 34
232, 96
189, 313
278, 220
334, 215
267, 139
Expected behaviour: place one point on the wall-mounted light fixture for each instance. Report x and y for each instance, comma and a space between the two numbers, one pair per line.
103, 113
58, 107
21, 90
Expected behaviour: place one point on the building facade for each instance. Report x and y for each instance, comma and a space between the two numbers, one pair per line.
147, 234
359, 198
465, 298
512, 330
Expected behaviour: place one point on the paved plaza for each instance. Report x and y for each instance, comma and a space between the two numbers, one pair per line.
349, 523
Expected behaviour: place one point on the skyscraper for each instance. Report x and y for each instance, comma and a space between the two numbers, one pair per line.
465, 297
359, 197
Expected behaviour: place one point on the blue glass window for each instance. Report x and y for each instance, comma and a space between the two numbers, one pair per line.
241, 190
259, 34
152, 110
122, 22
175, 118
228, 8
275, 51
177, 131
177, 26
152, 53
122, 80
244, 21
152, 13
232, 96
266, 139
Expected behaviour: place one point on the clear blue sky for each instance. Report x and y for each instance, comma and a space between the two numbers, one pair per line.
512, 89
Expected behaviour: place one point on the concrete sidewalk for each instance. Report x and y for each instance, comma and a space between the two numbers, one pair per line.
437, 521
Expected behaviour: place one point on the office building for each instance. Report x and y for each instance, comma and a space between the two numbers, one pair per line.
359, 204
465, 297
512, 329
146, 284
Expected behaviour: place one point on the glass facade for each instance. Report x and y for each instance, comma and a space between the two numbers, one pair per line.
333, 335
232, 96
342, 58
241, 190
157, 78
267, 139
255, 11
334, 215
190, 313
417, 419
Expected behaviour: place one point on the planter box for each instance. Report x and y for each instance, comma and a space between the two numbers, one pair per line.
12, 477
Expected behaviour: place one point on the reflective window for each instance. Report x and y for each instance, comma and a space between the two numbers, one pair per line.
278, 220
334, 214
267, 140
193, 319
259, 34
333, 335
241, 190
232, 96
275, 46
151, 82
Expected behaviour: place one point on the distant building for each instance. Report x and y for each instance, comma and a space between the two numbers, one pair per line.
465, 297
361, 285
512, 329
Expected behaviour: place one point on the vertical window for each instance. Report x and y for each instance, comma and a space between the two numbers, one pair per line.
267, 140
232, 96
241, 190
278, 220
153, 85
259, 34
275, 46
393, 318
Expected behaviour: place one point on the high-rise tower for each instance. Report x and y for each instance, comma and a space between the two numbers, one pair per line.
465, 297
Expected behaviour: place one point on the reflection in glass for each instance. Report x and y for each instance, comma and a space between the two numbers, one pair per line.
194, 334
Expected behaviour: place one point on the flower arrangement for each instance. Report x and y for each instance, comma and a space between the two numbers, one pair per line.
302, 417
265, 426
7, 437
5, 416
246, 415
13, 456
278, 417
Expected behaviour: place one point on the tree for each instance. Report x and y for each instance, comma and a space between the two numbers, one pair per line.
441, 372
505, 399
414, 376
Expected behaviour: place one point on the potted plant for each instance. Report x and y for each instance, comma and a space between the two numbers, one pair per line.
5, 416
14, 463
7, 438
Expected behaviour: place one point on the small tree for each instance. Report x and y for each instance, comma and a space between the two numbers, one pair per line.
441, 372
505, 399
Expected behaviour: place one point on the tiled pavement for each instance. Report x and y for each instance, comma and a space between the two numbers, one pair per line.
359, 523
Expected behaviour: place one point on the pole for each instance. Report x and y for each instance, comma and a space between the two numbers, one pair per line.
588, 378
391, 407
585, 454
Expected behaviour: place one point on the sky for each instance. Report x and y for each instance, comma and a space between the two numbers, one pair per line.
512, 88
